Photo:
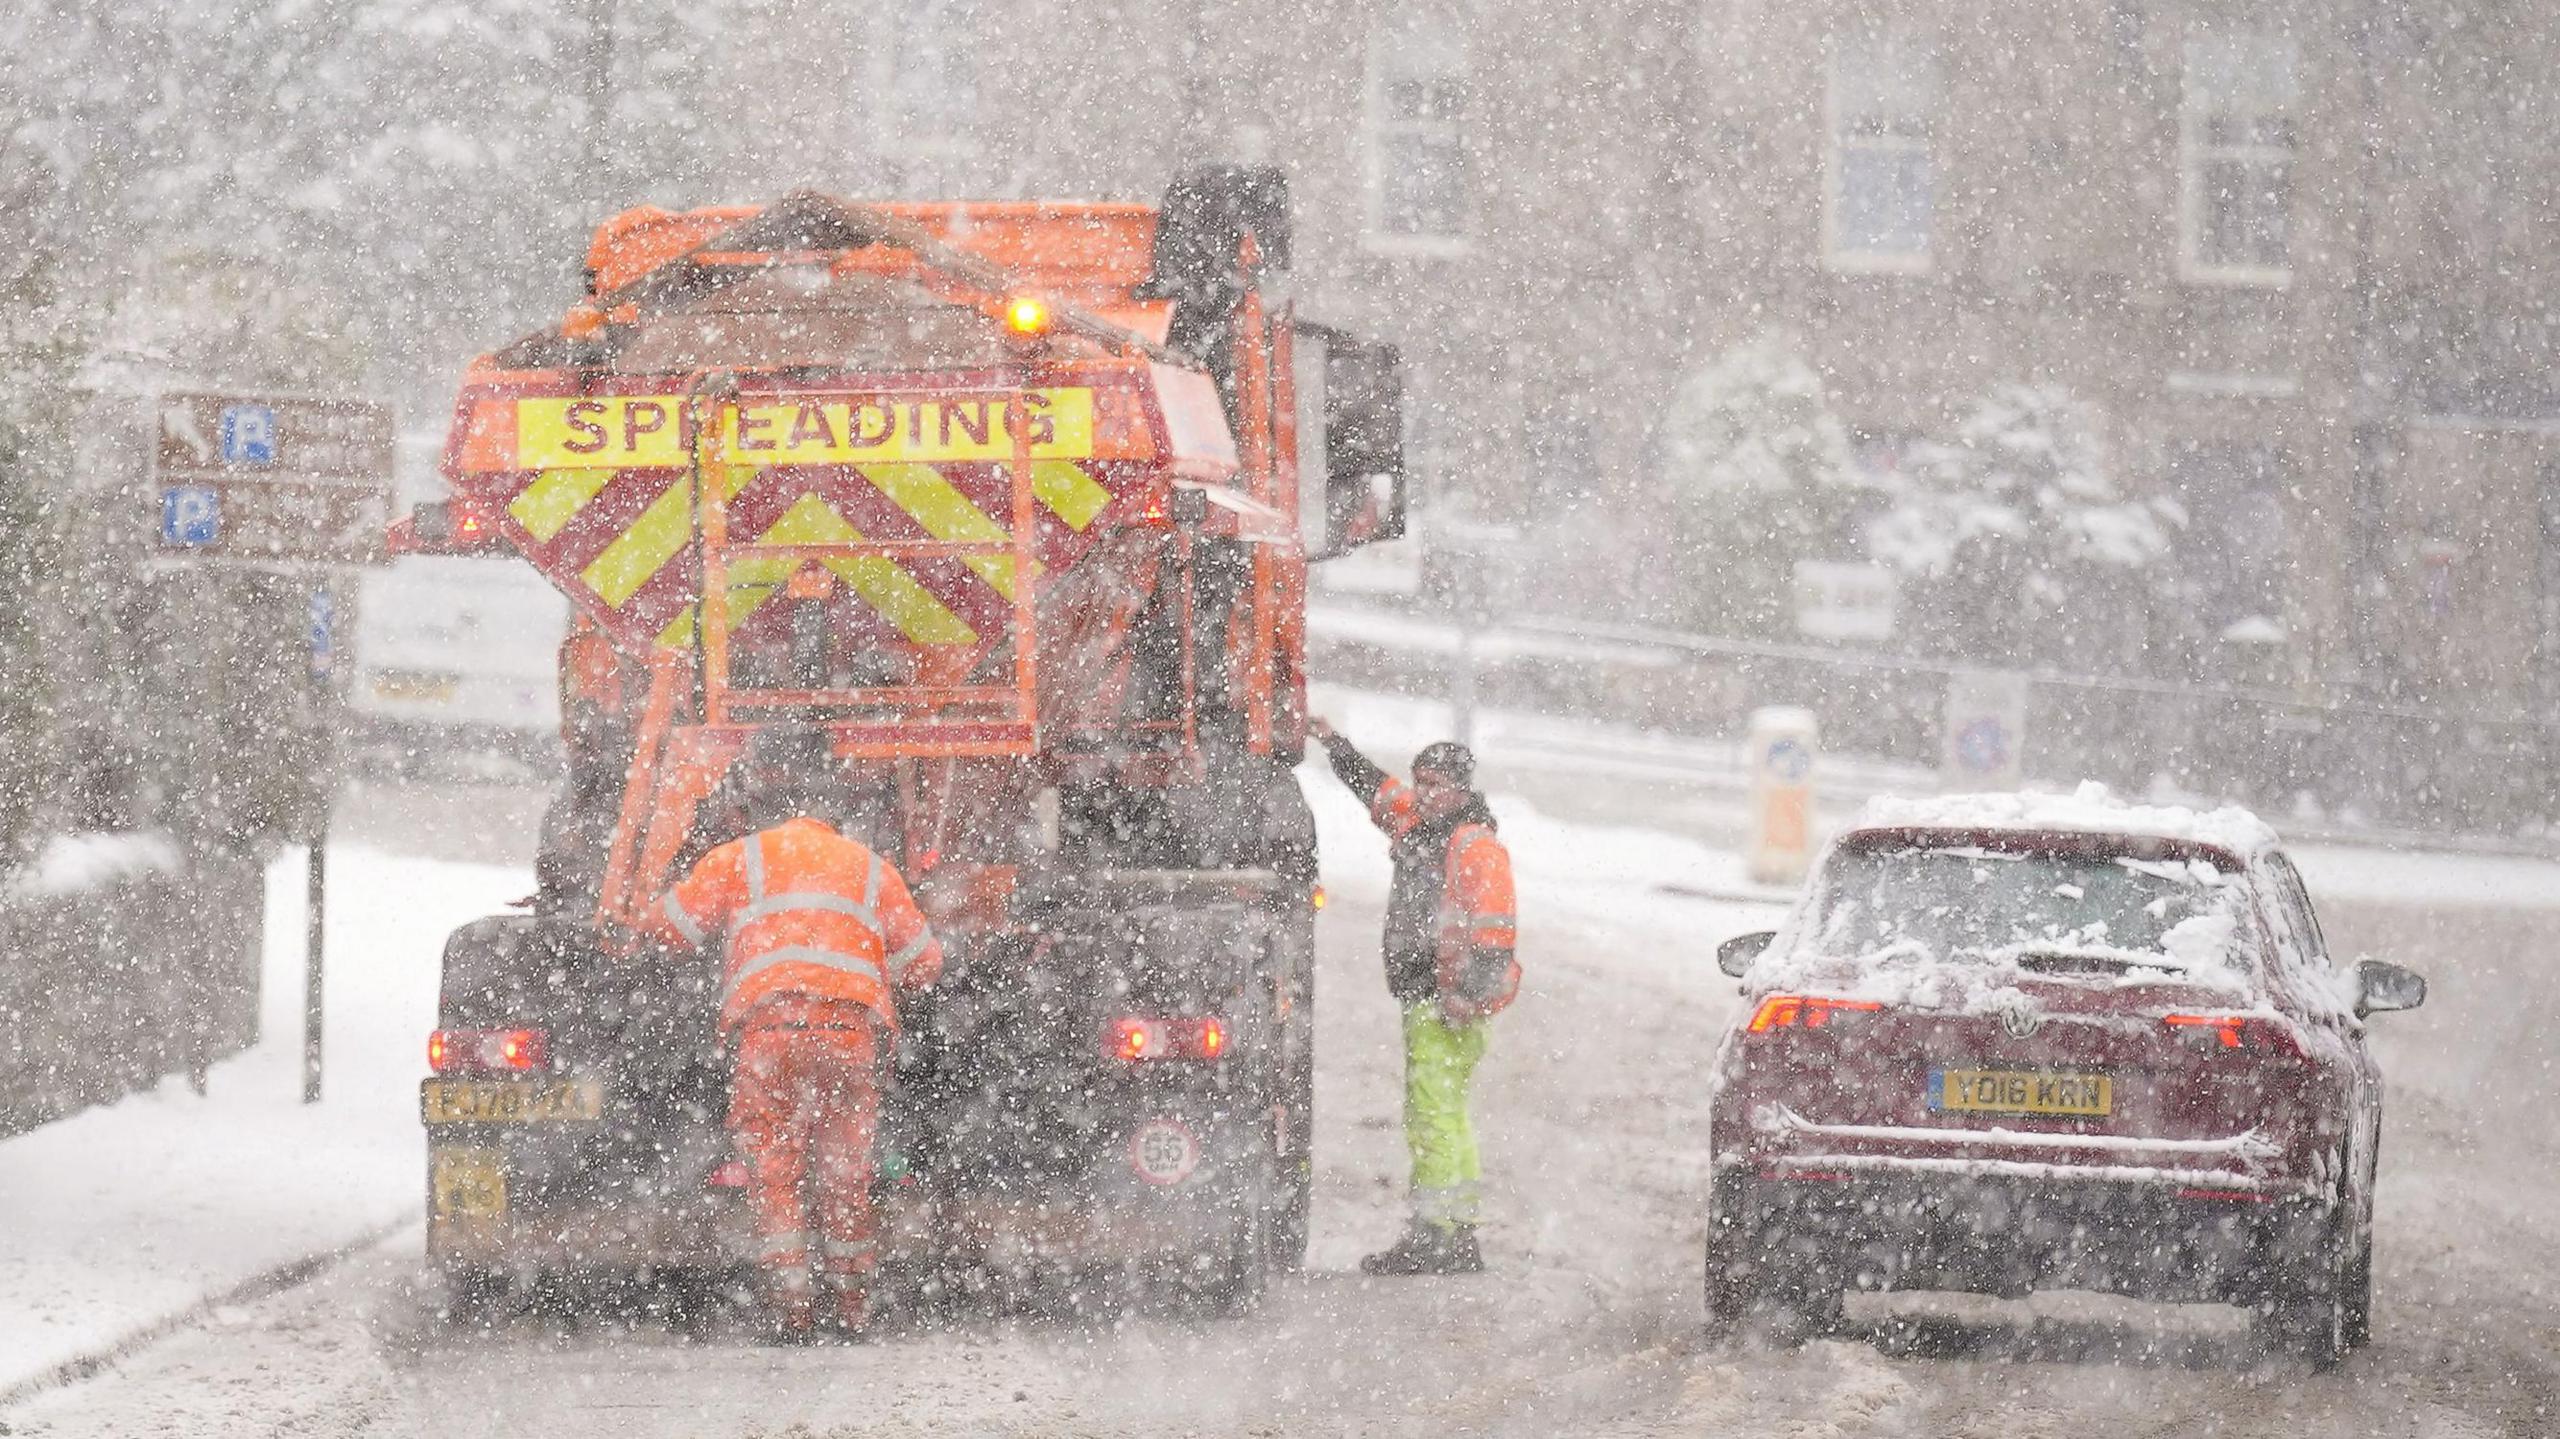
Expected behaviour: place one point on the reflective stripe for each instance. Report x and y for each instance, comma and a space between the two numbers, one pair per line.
802, 954
898, 962
846, 1249
871, 882
680, 917
777, 1246
808, 899
755, 868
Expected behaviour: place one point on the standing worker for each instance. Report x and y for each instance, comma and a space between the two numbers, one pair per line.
1450, 937
819, 937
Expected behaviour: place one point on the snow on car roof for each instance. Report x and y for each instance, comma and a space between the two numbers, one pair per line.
2090, 809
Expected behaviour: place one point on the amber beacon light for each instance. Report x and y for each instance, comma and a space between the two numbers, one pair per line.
1026, 315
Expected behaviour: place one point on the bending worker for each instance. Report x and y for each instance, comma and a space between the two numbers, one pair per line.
818, 937
1449, 950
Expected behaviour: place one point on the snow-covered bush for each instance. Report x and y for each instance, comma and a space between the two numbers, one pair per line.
1758, 471
2017, 542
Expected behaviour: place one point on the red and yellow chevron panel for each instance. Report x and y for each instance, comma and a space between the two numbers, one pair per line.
598, 491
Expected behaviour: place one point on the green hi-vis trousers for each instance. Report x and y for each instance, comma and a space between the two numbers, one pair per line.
1439, 1061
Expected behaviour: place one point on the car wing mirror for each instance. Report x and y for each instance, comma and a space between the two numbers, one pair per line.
1735, 955
2381, 986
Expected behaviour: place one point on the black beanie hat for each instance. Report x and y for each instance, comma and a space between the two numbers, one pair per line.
1450, 758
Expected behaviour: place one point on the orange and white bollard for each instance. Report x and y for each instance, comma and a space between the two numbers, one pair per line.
1779, 745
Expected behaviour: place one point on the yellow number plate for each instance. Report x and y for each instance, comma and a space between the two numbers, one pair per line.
2011, 1091
467, 1183
510, 1101
415, 685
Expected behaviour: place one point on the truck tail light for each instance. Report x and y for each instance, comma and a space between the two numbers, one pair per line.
448, 527
488, 1051
1137, 1041
1804, 1011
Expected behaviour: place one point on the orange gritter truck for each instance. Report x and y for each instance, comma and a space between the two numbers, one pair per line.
1017, 501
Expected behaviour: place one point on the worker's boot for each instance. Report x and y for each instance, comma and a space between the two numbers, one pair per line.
790, 1305
1428, 1249
1458, 1252
851, 1322
1416, 1253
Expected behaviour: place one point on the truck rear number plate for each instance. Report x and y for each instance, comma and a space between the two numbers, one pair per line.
2011, 1091
510, 1101
468, 1183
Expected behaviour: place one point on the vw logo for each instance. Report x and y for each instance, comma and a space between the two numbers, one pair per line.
2018, 1018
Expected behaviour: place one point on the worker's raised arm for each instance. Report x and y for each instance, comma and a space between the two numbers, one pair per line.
914, 956
701, 905
1389, 799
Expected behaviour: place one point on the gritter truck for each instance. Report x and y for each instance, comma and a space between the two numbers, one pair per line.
1017, 501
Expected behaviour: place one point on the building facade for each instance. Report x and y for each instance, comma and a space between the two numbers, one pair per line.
2300, 257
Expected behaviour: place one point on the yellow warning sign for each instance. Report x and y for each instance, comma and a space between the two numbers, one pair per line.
615, 431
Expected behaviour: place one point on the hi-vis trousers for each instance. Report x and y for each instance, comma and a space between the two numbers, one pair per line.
805, 1110
1439, 1062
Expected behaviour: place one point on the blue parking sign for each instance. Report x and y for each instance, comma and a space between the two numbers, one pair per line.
248, 435
190, 515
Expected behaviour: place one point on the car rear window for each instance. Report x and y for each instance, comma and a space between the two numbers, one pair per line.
2058, 910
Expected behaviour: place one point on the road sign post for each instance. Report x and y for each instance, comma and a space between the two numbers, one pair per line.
275, 482
296, 484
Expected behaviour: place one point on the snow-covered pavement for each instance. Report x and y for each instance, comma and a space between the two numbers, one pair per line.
1592, 1109
121, 1219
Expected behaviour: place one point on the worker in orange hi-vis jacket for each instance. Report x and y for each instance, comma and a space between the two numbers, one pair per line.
1450, 940
818, 937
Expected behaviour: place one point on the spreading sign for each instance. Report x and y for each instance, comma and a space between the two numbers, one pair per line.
652, 431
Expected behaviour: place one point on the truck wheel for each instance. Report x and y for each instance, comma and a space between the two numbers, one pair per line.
475, 1296
1296, 1133
1289, 1217
1236, 1288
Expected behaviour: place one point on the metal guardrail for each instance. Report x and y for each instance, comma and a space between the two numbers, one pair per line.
2367, 765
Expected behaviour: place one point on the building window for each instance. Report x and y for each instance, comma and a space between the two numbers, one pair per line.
923, 93
2236, 132
1881, 192
1418, 179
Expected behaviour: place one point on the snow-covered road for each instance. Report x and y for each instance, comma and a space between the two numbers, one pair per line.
1593, 1110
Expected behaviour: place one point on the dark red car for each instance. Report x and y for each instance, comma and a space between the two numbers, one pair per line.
2006, 1043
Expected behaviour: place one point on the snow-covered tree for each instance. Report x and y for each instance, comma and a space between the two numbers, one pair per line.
1759, 474
2018, 523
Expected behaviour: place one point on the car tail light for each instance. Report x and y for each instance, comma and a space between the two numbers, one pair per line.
1804, 1011
1198, 1037
2234, 1031
488, 1051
